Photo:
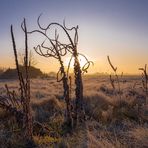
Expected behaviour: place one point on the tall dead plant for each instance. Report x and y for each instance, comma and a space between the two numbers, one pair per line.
115, 80
57, 50
24, 82
144, 76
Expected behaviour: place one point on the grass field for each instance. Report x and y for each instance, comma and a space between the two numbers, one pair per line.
110, 121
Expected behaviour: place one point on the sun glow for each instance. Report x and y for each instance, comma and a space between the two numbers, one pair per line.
81, 58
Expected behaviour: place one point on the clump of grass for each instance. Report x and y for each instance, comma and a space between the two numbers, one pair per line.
44, 109
39, 95
140, 135
94, 104
12, 105
108, 91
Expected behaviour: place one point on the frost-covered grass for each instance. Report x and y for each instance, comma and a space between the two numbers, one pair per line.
110, 122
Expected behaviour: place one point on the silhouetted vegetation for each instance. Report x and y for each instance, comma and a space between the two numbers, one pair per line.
2, 70
69, 110
74, 112
12, 73
24, 82
145, 82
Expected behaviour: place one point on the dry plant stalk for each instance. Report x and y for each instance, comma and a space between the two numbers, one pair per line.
70, 86
79, 109
58, 50
19, 105
112, 81
24, 82
145, 82
79, 105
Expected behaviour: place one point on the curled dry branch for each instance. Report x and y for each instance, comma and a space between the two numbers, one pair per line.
110, 63
57, 50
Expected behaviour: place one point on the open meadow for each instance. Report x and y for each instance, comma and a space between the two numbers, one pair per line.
108, 122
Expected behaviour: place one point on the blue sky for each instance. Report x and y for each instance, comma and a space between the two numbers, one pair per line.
118, 28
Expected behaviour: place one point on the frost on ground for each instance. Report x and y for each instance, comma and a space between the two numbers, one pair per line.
113, 119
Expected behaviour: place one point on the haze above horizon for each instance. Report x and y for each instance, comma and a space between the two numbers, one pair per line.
106, 27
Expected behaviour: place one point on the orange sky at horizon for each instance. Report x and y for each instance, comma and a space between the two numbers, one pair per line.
118, 28
100, 65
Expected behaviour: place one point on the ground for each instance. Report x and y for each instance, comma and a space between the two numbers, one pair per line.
113, 118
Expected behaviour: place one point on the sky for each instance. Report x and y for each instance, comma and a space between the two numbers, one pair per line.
118, 28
